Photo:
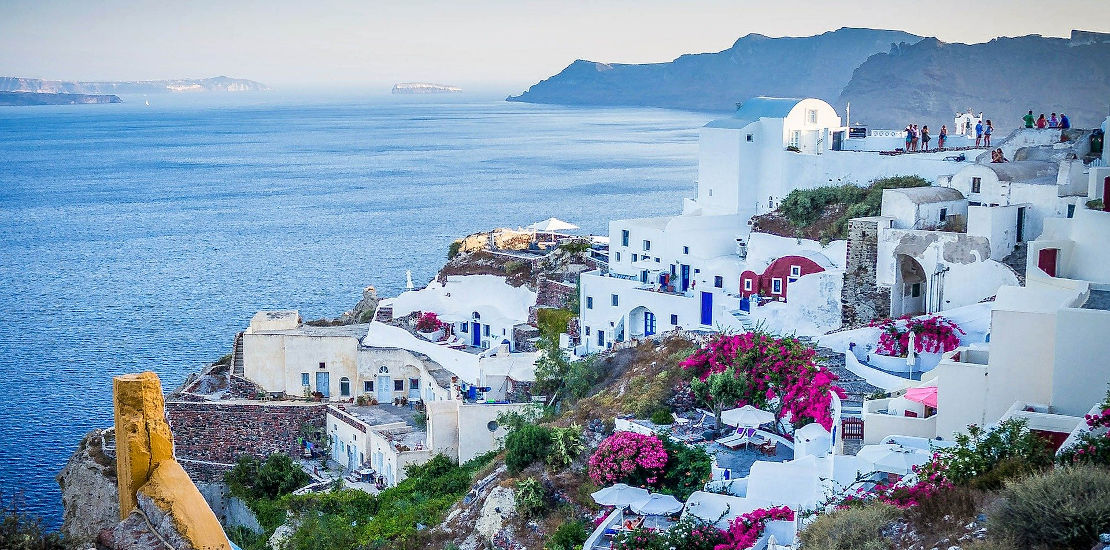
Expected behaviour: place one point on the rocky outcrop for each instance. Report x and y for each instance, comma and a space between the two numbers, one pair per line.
90, 500
37, 98
363, 312
215, 84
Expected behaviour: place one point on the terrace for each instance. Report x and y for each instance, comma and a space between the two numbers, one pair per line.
398, 425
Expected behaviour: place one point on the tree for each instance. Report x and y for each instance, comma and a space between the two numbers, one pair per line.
721, 390
551, 368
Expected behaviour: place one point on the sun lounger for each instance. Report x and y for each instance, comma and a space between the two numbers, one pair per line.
733, 442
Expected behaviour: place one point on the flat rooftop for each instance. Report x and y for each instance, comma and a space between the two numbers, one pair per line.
410, 434
1100, 299
354, 331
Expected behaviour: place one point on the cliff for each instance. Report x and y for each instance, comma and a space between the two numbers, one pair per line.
41, 98
90, 499
813, 66
215, 84
928, 82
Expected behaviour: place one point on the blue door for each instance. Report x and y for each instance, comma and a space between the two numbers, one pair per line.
707, 308
685, 277
476, 334
323, 383
649, 323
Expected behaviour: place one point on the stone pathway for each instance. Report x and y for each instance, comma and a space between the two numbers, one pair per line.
856, 387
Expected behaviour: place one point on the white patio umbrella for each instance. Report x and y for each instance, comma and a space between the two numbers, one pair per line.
551, 224
619, 495
894, 459
746, 416
656, 504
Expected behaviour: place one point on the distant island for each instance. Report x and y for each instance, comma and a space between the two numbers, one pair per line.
215, 84
424, 88
38, 98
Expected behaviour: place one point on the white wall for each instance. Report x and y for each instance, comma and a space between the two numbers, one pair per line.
276, 361
996, 223
1082, 362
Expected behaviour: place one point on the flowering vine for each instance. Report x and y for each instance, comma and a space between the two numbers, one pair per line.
782, 375
1092, 446
628, 457
428, 322
933, 335
745, 530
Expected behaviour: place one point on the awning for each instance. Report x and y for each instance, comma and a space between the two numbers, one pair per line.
551, 224
925, 395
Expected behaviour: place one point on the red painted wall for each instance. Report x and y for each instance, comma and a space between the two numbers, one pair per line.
780, 269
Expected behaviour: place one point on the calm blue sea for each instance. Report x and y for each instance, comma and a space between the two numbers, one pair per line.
138, 237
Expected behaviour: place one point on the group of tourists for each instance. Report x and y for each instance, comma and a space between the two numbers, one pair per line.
1041, 122
918, 139
983, 133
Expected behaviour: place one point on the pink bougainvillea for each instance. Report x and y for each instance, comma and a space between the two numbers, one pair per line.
782, 375
745, 530
628, 457
428, 322
931, 335
930, 481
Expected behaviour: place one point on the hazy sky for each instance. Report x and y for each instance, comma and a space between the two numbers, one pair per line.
494, 44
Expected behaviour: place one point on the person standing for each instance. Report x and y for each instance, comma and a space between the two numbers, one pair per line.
1028, 118
925, 138
1064, 122
987, 134
915, 135
909, 137
979, 133
1052, 122
1041, 122
942, 136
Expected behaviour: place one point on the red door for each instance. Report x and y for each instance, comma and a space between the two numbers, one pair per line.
1106, 194
1046, 260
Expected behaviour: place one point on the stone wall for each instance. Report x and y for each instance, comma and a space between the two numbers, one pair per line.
553, 293
218, 432
861, 299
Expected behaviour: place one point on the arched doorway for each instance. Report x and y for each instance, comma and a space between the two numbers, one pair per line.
911, 288
641, 322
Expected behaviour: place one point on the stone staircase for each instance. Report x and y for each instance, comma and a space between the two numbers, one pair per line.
1016, 261
744, 319
237, 355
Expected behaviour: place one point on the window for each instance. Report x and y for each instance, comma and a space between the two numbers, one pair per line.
589, 302
943, 214
1071, 210
414, 383
616, 256
624, 237
475, 316
718, 281
322, 365
304, 379
601, 337
587, 331
747, 285
776, 286
976, 184
748, 138
345, 386
485, 330
643, 276
398, 385
811, 116
795, 138
367, 386
492, 425
464, 327
915, 290
615, 300
685, 250
674, 319
647, 245
635, 258
657, 260
383, 370
795, 271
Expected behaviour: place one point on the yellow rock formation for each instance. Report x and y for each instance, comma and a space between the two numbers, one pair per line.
145, 464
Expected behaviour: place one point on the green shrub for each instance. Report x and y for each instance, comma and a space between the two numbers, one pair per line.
516, 266
662, 417
688, 468
576, 246
252, 479
1065, 508
566, 445
1095, 204
553, 321
856, 528
803, 207
453, 249
529, 497
525, 446
569, 536
1010, 448
21, 531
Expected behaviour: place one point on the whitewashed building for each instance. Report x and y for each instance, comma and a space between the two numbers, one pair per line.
684, 271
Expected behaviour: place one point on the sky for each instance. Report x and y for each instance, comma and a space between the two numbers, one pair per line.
497, 45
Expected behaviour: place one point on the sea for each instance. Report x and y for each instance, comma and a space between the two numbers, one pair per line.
139, 237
